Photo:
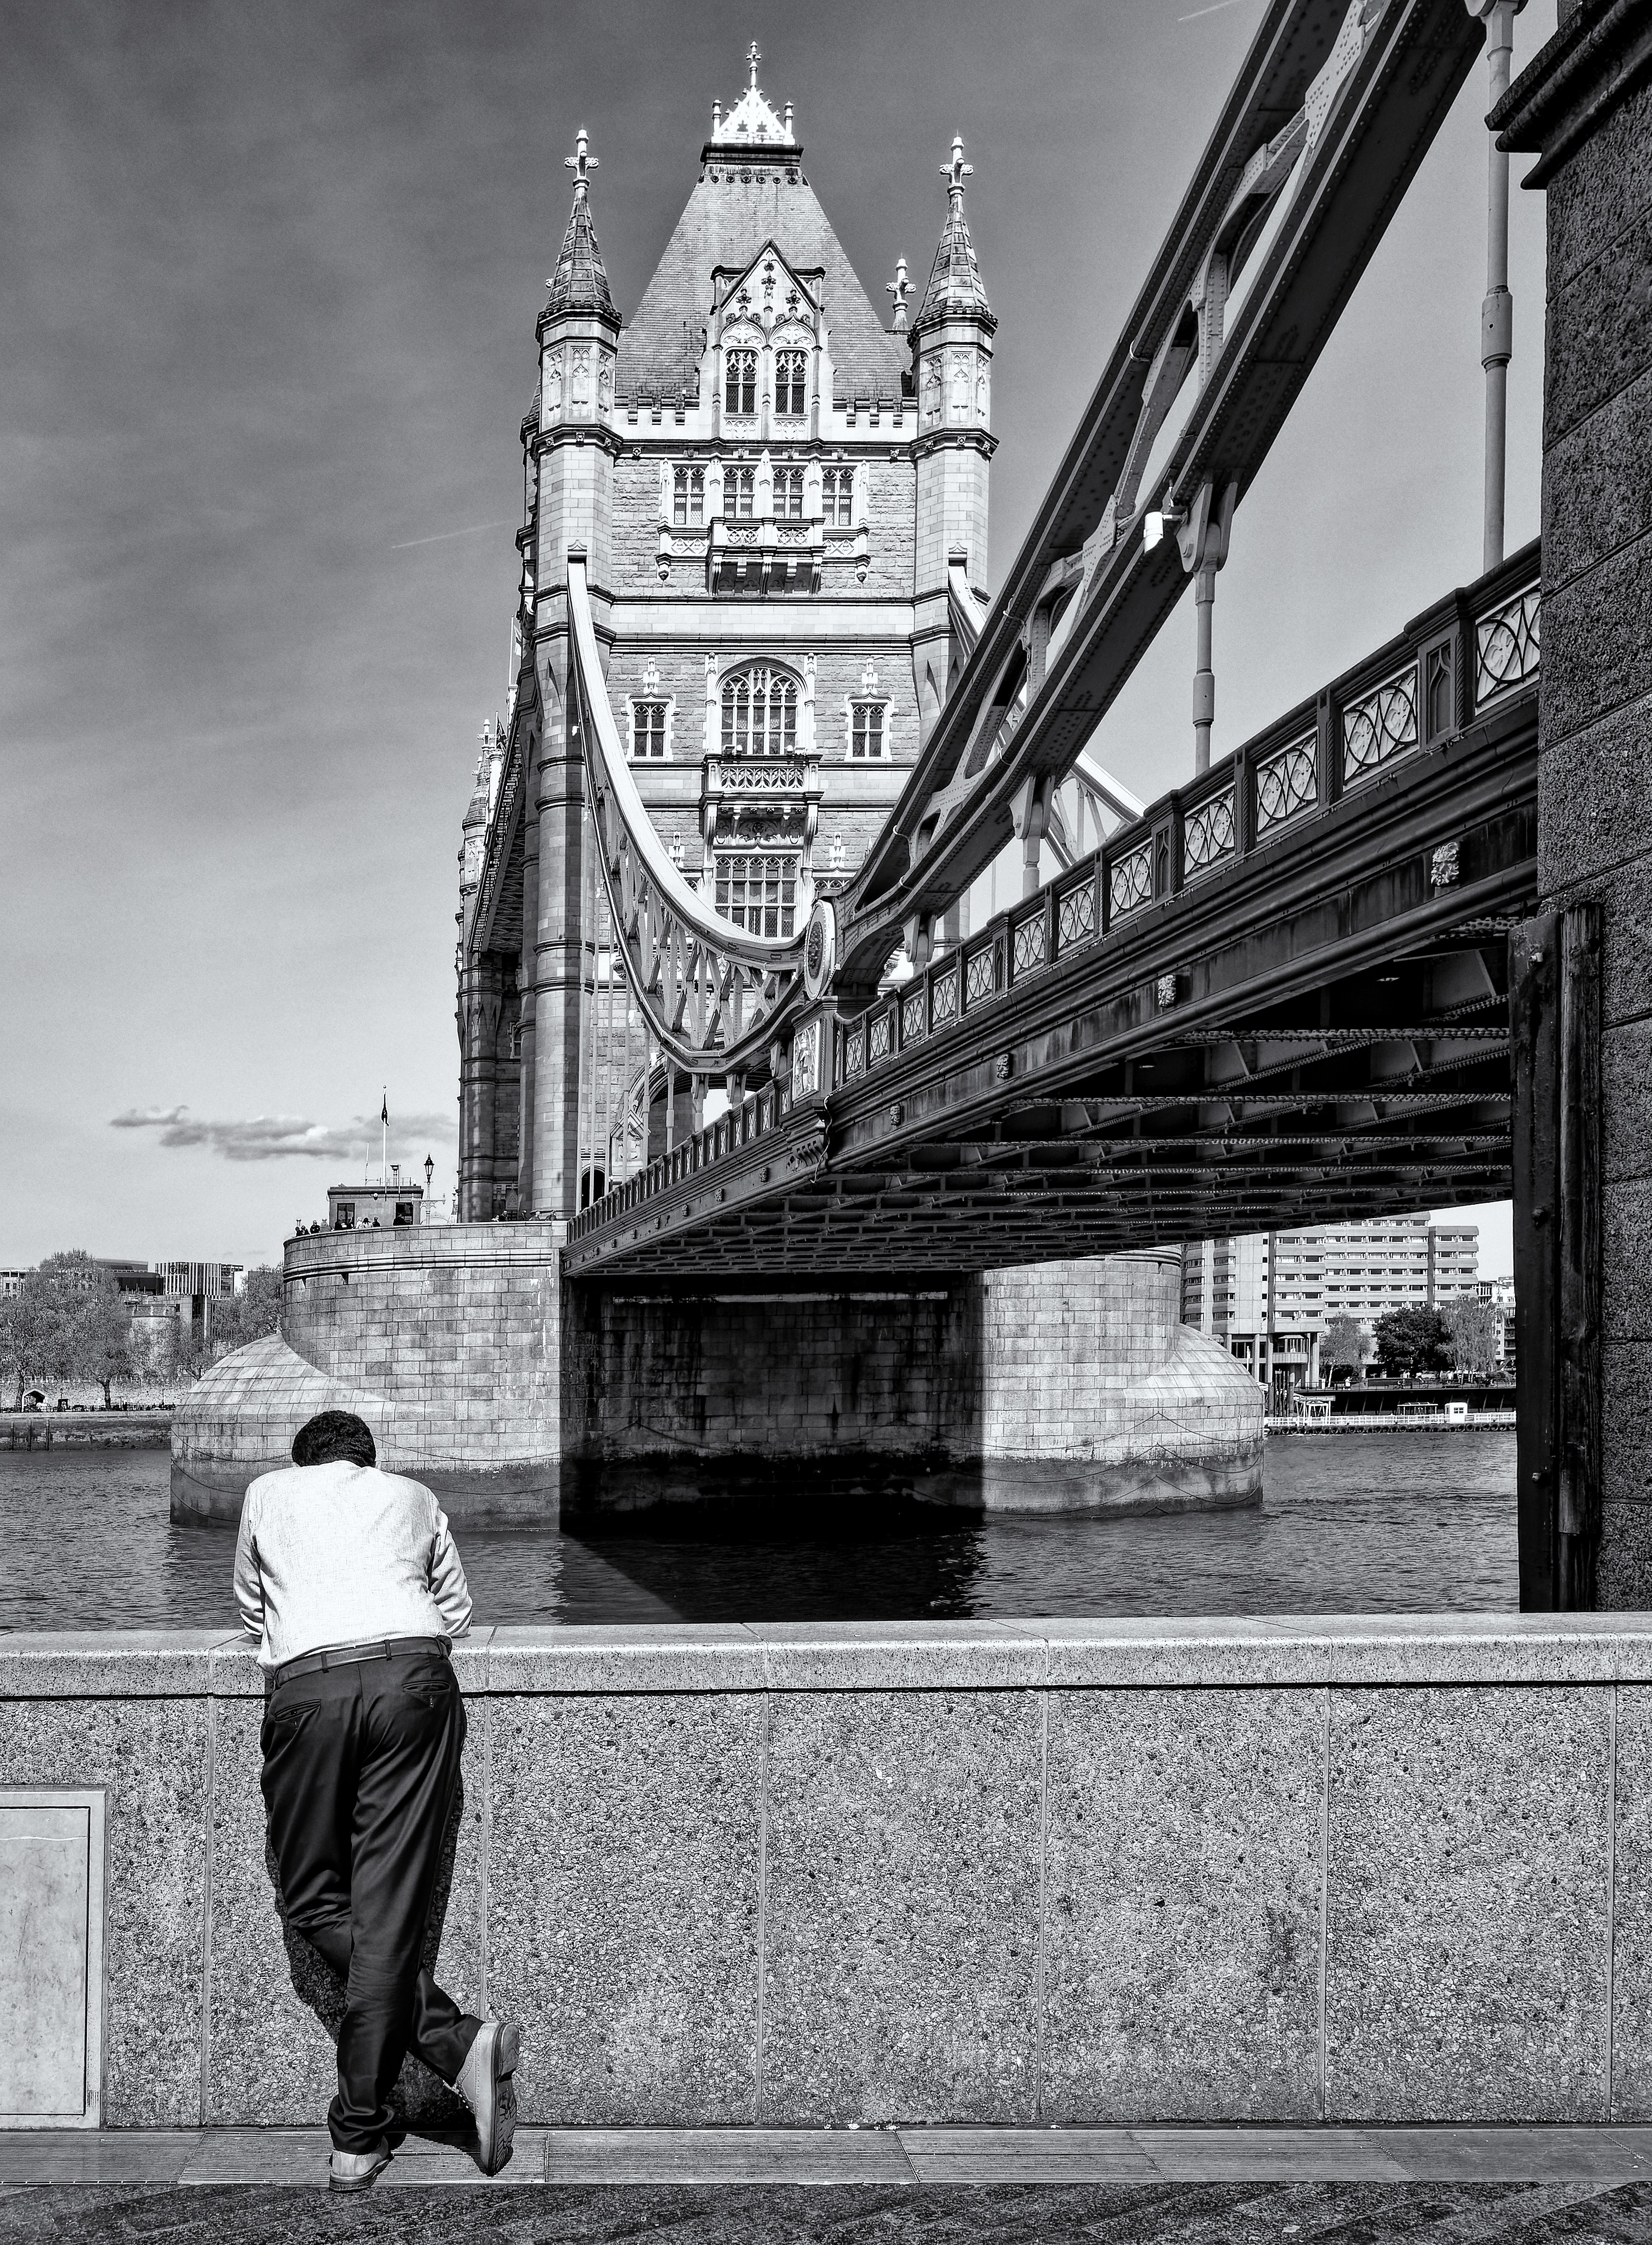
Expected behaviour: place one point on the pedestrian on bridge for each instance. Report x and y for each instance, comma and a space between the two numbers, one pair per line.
348, 1579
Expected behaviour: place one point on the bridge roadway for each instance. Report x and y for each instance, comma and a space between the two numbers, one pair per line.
1280, 998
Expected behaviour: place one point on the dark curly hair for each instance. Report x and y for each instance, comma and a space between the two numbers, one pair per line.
332, 1434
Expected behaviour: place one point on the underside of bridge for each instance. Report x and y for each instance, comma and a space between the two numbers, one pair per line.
1318, 1032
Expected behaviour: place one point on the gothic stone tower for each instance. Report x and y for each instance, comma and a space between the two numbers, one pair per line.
772, 491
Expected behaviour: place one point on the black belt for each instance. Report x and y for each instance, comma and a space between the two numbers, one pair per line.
342, 1656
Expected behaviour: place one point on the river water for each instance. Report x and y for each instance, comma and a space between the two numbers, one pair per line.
1358, 1522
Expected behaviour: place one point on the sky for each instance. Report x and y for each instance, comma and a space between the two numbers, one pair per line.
269, 279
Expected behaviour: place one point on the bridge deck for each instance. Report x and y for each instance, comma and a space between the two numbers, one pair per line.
1281, 998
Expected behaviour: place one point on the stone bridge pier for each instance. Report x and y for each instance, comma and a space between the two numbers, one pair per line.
522, 1397
1581, 973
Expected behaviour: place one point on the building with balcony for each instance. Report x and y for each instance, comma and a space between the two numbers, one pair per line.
1270, 1295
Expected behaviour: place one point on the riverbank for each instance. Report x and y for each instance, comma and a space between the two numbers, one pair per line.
1386, 1422
87, 1430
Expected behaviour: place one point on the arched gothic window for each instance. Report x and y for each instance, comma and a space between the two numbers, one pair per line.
759, 712
791, 383
740, 381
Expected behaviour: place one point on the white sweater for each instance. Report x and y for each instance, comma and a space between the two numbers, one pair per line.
343, 1554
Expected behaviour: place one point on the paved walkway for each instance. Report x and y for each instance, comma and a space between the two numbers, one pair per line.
1597, 2158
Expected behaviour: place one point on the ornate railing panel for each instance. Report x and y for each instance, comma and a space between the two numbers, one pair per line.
1287, 783
980, 978
1380, 726
1207, 835
1028, 944
1076, 916
1506, 644
1130, 884
712, 994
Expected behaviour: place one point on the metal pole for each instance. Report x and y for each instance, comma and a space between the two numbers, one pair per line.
1204, 676
1497, 311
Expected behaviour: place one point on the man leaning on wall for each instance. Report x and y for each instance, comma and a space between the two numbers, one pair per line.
349, 1579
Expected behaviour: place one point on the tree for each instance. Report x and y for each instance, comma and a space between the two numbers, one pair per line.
1342, 1342
90, 1334
190, 1349
1476, 1329
1412, 1341
237, 1319
100, 1338
28, 1335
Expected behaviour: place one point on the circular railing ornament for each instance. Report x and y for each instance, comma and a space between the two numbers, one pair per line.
819, 948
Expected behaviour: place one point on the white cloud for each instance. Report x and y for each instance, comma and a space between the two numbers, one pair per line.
276, 1137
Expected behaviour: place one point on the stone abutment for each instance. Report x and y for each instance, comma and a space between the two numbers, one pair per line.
519, 1396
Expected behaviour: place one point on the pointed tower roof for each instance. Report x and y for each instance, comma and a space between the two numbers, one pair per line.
751, 191
954, 278
752, 121
579, 282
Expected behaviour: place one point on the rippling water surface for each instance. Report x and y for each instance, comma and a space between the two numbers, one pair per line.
1350, 1524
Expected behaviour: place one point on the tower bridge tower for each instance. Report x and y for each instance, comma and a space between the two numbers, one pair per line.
778, 495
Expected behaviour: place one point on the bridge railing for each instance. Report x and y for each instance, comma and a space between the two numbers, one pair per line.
1456, 660
1431, 681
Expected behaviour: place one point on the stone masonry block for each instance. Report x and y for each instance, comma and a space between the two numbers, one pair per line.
901, 1944
1596, 199
1594, 796
1597, 642
1466, 1948
1182, 1906
1599, 330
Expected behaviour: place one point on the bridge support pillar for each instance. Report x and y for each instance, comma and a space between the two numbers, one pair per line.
1584, 104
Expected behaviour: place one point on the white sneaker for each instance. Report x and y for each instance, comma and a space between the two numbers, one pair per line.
485, 2084
357, 2170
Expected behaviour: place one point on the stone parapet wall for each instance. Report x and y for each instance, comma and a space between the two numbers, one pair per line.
1038, 1873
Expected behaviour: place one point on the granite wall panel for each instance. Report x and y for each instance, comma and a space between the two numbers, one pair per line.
152, 1756
1632, 1891
1468, 1910
623, 1886
1182, 1912
901, 1923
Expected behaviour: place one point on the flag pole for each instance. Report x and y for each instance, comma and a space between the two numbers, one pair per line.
384, 1151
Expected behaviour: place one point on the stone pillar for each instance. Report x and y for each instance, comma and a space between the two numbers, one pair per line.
1585, 105
559, 945
525, 1007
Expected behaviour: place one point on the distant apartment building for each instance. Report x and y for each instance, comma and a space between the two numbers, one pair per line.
1500, 1292
10, 1284
1269, 1296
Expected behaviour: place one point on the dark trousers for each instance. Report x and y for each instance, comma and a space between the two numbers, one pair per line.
361, 1765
